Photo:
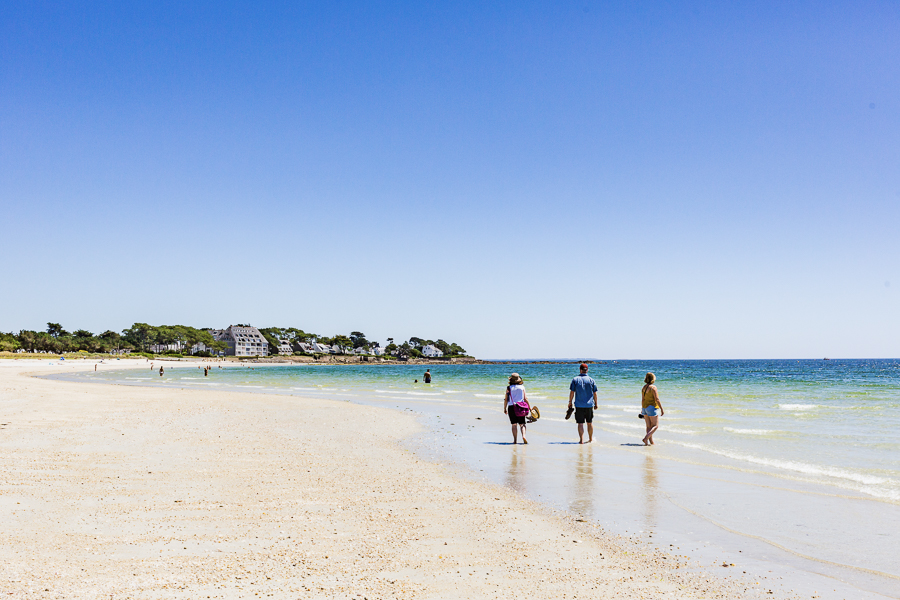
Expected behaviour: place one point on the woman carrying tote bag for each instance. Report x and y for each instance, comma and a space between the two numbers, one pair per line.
515, 404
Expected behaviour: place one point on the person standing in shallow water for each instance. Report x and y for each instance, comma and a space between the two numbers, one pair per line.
515, 397
651, 408
427, 376
583, 392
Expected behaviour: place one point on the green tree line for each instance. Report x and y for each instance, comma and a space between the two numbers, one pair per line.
355, 340
142, 337
139, 337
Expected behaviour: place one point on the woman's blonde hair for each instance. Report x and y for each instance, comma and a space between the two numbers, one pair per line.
649, 378
515, 379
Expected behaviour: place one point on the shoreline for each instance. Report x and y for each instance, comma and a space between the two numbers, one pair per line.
410, 530
810, 560
330, 359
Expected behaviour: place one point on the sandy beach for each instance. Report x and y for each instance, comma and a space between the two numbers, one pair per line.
130, 492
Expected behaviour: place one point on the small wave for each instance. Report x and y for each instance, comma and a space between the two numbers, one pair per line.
421, 393
798, 467
629, 425
798, 406
675, 429
750, 431
495, 396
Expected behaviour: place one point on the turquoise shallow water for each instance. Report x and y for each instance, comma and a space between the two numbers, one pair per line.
790, 467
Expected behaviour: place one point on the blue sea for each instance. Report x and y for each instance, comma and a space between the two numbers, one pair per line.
786, 468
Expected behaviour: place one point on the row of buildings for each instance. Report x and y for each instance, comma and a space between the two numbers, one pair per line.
244, 340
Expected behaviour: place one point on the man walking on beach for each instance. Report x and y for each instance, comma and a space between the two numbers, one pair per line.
584, 392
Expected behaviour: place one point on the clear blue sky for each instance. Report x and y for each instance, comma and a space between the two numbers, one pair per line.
561, 179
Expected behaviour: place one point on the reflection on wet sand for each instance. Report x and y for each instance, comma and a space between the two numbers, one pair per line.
516, 474
649, 492
582, 502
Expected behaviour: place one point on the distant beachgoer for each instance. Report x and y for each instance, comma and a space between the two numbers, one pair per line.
427, 375
416, 381
95, 366
206, 372
161, 371
583, 390
515, 404
651, 408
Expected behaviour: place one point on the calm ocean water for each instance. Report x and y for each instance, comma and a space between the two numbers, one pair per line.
784, 467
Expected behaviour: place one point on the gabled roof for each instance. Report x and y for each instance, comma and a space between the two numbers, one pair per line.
233, 331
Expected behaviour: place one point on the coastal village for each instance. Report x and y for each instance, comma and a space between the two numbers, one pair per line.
242, 341
248, 341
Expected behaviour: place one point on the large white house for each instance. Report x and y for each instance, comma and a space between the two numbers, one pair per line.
322, 348
160, 348
242, 340
201, 347
432, 351
304, 347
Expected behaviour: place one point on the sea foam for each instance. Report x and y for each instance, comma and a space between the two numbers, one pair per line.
628, 424
750, 431
796, 466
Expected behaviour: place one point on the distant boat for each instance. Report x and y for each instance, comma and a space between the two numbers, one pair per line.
826, 358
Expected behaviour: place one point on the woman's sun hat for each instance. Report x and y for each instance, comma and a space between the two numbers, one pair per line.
535, 414
515, 379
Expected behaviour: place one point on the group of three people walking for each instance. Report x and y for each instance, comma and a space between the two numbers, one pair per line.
582, 401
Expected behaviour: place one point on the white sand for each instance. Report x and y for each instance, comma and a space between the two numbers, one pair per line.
128, 492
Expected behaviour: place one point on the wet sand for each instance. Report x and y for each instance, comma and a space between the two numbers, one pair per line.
130, 492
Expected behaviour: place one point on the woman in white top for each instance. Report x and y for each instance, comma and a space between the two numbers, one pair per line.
513, 405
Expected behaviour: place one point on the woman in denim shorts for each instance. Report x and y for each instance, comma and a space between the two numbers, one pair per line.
651, 408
